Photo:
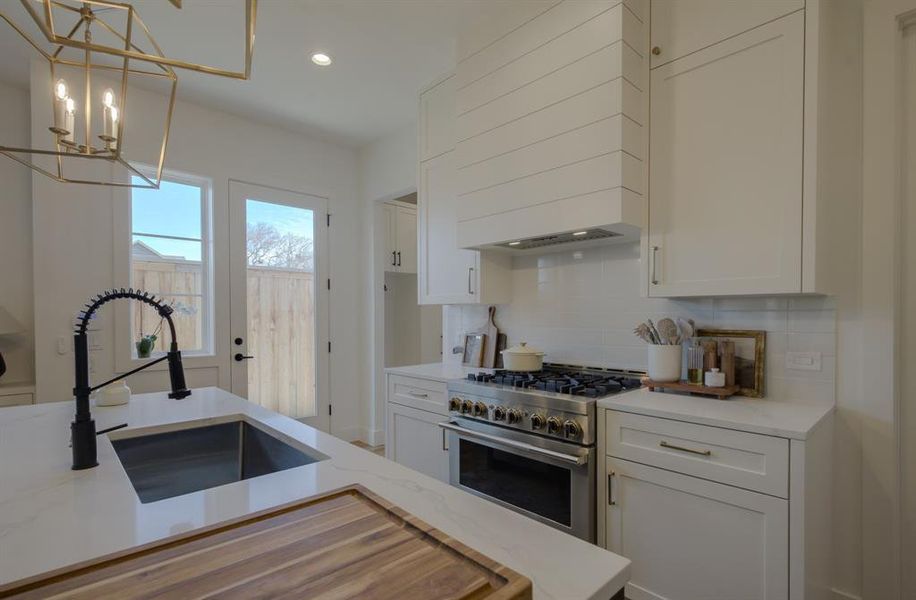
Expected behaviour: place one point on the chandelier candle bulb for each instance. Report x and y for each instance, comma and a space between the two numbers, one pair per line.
60, 107
109, 115
70, 119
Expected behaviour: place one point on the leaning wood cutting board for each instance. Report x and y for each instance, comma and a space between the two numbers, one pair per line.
348, 543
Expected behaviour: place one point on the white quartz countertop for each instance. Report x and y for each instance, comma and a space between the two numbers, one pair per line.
435, 371
757, 415
51, 516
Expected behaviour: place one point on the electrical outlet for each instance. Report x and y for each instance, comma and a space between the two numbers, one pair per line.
804, 361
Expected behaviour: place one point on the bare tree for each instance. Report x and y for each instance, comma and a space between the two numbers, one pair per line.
267, 247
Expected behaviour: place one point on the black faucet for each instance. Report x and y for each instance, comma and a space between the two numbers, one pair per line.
82, 429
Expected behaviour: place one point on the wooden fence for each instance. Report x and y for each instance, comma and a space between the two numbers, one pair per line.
281, 333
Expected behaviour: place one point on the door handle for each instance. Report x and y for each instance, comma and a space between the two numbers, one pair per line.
654, 265
444, 447
665, 444
394, 258
399, 258
610, 489
239, 357
470, 274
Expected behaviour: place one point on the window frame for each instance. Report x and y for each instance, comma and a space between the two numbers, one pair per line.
125, 351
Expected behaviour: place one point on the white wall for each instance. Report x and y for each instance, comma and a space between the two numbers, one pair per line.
388, 169
16, 236
74, 247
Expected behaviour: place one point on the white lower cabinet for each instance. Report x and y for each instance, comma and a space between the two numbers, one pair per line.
690, 538
715, 513
413, 438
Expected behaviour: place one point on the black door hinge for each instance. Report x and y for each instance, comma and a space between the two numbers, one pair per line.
329, 283
329, 219
329, 346
329, 409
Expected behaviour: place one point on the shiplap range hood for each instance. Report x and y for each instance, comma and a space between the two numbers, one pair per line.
550, 128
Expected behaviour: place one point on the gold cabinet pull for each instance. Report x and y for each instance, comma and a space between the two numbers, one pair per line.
665, 444
610, 489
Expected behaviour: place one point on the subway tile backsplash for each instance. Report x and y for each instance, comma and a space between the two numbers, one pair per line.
580, 307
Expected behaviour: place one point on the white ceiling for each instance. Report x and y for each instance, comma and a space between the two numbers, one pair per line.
383, 51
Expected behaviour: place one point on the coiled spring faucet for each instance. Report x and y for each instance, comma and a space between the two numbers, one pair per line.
82, 429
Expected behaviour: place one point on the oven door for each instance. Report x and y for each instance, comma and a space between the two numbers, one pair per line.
548, 480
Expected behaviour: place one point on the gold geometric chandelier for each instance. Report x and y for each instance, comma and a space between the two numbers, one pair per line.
98, 54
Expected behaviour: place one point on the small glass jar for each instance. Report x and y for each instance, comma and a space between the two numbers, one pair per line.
695, 356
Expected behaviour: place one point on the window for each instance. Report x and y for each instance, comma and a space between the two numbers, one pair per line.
170, 257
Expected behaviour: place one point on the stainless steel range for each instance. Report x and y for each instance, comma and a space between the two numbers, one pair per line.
527, 440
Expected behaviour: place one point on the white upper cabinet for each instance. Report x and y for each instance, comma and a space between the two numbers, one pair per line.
400, 238
437, 119
726, 165
447, 274
551, 125
680, 27
753, 161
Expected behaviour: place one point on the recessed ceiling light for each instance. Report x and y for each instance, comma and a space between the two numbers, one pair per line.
514, 243
580, 233
321, 59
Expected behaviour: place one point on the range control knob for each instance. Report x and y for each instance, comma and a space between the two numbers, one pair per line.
454, 404
513, 416
553, 425
537, 421
480, 409
499, 413
467, 406
571, 429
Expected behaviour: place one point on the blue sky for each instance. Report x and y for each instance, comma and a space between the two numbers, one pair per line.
174, 209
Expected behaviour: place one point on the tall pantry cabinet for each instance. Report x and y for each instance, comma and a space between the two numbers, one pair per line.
448, 274
755, 123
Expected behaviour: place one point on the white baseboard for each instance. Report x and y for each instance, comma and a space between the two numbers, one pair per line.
376, 437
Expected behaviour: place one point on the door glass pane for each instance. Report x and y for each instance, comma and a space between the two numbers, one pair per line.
281, 307
531, 485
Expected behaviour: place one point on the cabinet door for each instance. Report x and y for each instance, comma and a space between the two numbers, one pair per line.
691, 539
725, 206
414, 439
447, 274
391, 237
407, 240
680, 27
437, 119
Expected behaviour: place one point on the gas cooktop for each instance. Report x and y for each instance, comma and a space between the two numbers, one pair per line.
575, 381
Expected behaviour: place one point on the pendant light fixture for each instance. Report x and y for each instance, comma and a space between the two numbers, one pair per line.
97, 53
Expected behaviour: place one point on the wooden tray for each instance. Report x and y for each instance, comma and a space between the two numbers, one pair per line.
348, 543
682, 386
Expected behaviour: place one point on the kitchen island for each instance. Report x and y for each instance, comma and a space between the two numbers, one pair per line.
51, 516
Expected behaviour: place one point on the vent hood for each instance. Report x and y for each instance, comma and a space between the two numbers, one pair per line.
551, 129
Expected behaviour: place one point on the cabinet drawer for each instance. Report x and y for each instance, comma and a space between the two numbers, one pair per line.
746, 460
418, 393
15, 399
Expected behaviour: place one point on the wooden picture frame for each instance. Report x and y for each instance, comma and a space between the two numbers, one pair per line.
474, 344
750, 351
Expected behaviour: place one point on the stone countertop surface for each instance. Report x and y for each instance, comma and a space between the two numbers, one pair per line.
51, 516
793, 420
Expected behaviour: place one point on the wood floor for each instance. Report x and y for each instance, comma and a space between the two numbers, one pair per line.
380, 450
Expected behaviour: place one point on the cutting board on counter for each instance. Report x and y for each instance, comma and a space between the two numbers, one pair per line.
349, 543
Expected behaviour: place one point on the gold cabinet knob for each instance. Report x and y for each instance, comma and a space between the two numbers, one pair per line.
656, 50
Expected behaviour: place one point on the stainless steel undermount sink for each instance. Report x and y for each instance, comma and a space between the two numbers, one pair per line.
165, 464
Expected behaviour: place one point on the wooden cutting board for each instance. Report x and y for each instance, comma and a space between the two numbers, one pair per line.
348, 543
492, 344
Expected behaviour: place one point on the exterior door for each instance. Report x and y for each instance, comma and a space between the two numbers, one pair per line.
279, 301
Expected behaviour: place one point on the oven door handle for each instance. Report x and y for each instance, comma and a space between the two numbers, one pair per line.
570, 458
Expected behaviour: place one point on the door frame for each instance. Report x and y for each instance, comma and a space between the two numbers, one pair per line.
239, 192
